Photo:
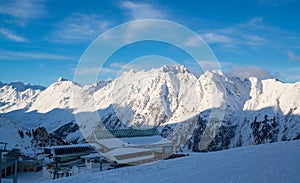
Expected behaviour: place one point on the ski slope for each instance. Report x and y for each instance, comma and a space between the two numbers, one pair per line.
276, 162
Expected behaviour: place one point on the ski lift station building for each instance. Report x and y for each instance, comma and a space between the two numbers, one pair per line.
132, 146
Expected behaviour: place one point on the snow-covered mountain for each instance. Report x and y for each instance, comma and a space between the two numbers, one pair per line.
17, 95
206, 113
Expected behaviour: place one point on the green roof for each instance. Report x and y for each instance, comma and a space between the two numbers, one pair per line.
122, 133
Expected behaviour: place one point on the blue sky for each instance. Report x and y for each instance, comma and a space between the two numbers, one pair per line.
43, 40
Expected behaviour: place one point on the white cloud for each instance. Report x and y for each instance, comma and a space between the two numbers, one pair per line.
242, 34
272, 3
20, 12
193, 41
8, 34
113, 68
86, 70
216, 38
254, 40
141, 10
144, 29
88, 74
251, 71
291, 74
79, 27
107, 70
292, 56
14, 55
116, 65
209, 65
255, 21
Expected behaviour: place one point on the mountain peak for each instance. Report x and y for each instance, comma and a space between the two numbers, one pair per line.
174, 68
218, 71
60, 79
20, 86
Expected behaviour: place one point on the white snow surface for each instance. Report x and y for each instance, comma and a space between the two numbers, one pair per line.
17, 95
276, 162
9, 134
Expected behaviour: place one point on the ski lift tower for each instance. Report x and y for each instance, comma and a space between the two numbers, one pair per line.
2, 149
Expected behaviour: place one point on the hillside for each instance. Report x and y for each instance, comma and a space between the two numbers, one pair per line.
207, 113
277, 162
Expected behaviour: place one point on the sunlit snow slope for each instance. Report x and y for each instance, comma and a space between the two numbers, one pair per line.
277, 162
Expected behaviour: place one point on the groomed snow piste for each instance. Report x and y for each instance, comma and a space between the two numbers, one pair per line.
276, 162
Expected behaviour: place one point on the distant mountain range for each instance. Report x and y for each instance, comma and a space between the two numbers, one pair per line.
206, 113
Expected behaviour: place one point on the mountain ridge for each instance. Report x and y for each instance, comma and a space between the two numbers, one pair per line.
245, 112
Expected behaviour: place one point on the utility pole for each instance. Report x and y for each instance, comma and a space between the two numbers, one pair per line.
16, 170
16, 154
56, 168
2, 150
0, 165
